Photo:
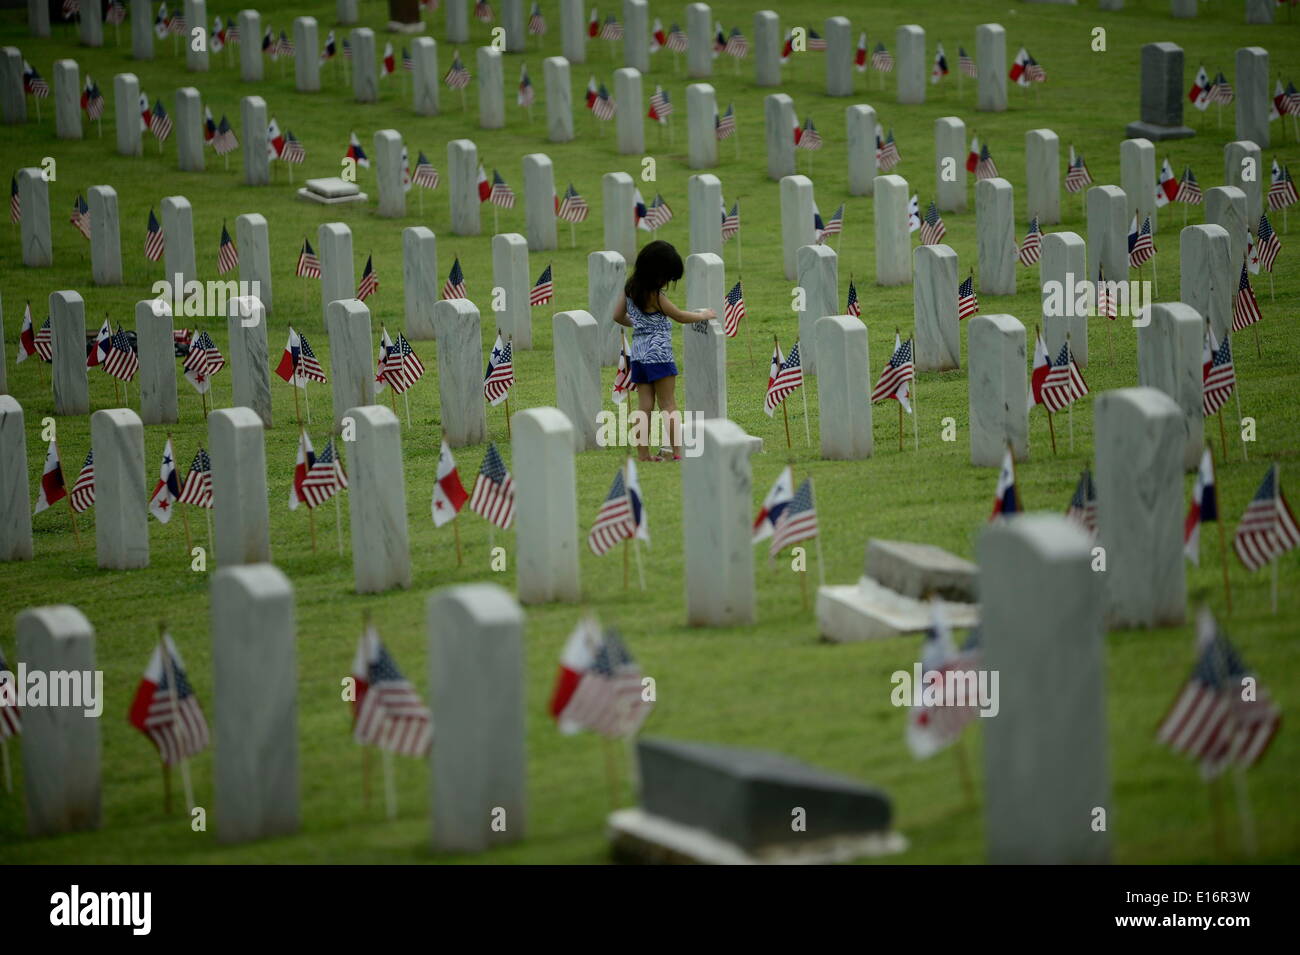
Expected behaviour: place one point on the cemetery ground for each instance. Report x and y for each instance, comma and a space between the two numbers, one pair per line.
772, 685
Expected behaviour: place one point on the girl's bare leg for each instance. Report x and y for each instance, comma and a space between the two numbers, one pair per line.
645, 396
665, 391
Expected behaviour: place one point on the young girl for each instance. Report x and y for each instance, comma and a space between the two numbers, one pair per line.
646, 310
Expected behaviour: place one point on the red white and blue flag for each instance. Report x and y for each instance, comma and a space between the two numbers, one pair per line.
168, 489
387, 711
165, 708
1204, 508
1006, 501
598, 686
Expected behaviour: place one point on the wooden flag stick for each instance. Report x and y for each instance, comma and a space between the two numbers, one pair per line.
627, 547
611, 772
167, 787
8, 773
900, 426
455, 526
507, 407
185, 519
1051, 429
390, 784
785, 415
640, 568
1237, 390
1223, 549
807, 430
311, 522
803, 588
821, 563
1223, 436
76, 531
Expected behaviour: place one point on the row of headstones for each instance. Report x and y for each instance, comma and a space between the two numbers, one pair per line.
1257, 11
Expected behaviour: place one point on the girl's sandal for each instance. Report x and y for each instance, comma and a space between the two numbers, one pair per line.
677, 457
655, 457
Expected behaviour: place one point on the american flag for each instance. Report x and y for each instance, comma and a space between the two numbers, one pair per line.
454, 287
1077, 176
798, 521
658, 213
425, 175
457, 77
324, 478
543, 289
932, 227
536, 22
493, 496
1266, 244
811, 139
501, 195
1218, 376
1064, 383
308, 264
1107, 296
526, 91
882, 61
887, 156
121, 361
165, 708
733, 310
209, 126
388, 712
965, 63
499, 377
327, 52
622, 374
294, 151
15, 201
1281, 191
232, 32
34, 83
44, 342
306, 367
1035, 72
161, 124
896, 374
92, 100
598, 686
227, 254
178, 25
661, 107
347, 49
116, 13
1268, 528
834, 225
482, 11
1141, 247
1032, 248
614, 521
1245, 310
408, 64
197, 490
737, 45
153, 239
604, 106
816, 42
676, 39
202, 362
967, 303
731, 222
612, 29
853, 306
785, 375
1209, 720
83, 490
1221, 92
1189, 190
573, 208
724, 126
369, 284
986, 168
1083, 506
80, 216
11, 723
402, 367
225, 141
283, 45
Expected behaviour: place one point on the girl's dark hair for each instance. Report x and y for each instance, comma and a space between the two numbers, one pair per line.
656, 265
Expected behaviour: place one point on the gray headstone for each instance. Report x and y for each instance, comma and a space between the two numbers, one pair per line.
67, 99
617, 191
178, 239
998, 389
142, 29
636, 33
189, 130
1208, 276
704, 344
460, 372
699, 40
257, 161
4, 380
778, 121
1162, 92
576, 339
38, 18
68, 367
949, 150
346, 11
1108, 219
1111, 5
306, 68
250, 373
767, 48
546, 505
1043, 176
254, 243
893, 241
991, 68
797, 227
1259, 11
1137, 174
817, 272
425, 79
606, 276
121, 507
629, 122
196, 16
250, 47
717, 494
157, 353
1183, 9
61, 745
34, 194
1062, 271
1169, 360
1253, 94
1239, 157
839, 57
539, 202
995, 227
239, 501
15, 495
843, 397
381, 552
462, 183
337, 275
918, 570
105, 236
934, 303
491, 89
476, 690
347, 322
12, 98
126, 114
573, 31
255, 703
860, 131
911, 66
1140, 440
512, 19
1045, 753
1226, 206
559, 99
389, 169
704, 193
91, 19
419, 281
365, 75
701, 134
510, 272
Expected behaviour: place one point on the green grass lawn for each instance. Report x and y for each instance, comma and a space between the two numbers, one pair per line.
772, 685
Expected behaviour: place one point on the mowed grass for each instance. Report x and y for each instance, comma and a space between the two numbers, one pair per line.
772, 685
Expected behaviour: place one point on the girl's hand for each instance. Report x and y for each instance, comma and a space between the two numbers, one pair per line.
706, 314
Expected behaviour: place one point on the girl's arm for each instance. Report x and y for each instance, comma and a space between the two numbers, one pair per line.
620, 314
686, 318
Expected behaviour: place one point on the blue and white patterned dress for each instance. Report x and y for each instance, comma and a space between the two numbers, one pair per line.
652, 337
